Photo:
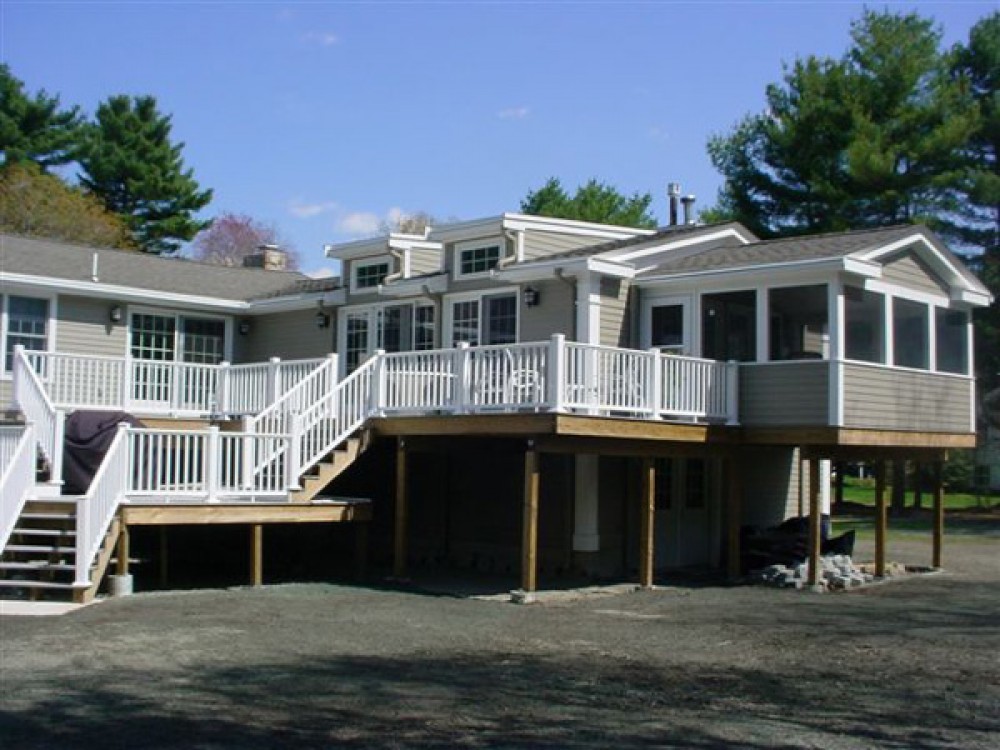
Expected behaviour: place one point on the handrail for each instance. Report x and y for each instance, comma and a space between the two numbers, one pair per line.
16, 478
96, 509
34, 403
308, 390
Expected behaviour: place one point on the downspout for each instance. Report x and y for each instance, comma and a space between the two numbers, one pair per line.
517, 238
400, 257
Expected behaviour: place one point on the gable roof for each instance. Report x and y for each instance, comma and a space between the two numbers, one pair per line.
862, 245
51, 259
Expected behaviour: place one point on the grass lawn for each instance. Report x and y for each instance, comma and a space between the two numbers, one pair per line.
862, 492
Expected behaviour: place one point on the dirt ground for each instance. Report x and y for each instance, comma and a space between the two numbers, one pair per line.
913, 664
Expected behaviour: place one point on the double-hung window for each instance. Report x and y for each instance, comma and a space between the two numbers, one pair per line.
26, 324
370, 275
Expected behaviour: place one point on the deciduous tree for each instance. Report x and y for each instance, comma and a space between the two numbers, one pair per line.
594, 201
130, 163
232, 237
36, 204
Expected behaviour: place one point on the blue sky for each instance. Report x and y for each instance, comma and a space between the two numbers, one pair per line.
324, 118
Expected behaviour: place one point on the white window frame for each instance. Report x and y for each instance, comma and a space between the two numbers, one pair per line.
50, 324
472, 245
227, 343
447, 315
356, 267
371, 312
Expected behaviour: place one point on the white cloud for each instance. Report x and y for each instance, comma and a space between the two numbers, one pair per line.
322, 38
513, 113
359, 223
302, 210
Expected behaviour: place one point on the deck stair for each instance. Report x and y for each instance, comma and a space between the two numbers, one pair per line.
39, 561
327, 469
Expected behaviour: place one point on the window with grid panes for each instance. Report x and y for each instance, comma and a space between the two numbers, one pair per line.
27, 326
371, 275
478, 259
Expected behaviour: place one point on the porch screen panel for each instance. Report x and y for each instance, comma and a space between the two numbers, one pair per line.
668, 328
952, 329
910, 334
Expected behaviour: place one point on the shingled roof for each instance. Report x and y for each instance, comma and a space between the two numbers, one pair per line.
792, 249
71, 262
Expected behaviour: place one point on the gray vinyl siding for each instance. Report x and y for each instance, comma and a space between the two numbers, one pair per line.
424, 261
541, 244
770, 478
615, 318
888, 399
906, 269
83, 327
789, 393
291, 335
553, 314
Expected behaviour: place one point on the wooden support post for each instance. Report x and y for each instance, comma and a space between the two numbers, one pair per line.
164, 550
814, 522
256, 554
402, 513
647, 516
123, 549
938, 515
881, 518
734, 518
529, 525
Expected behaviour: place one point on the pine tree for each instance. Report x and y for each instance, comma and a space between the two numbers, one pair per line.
34, 128
130, 163
874, 138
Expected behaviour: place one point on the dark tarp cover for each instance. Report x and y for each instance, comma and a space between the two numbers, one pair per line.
88, 435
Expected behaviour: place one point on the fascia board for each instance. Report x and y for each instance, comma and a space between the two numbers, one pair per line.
938, 261
677, 244
123, 293
972, 297
538, 270
818, 265
401, 243
526, 222
359, 249
296, 302
611, 268
414, 287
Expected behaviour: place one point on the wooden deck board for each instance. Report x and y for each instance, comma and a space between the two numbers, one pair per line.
174, 515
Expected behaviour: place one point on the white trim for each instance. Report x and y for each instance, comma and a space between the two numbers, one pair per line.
448, 302
668, 244
499, 242
762, 324
908, 293
417, 286
817, 265
370, 310
52, 317
357, 265
121, 293
571, 226
935, 258
684, 301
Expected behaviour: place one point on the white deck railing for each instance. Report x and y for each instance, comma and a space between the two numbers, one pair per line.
83, 381
10, 437
298, 393
17, 476
34, 403
96, 509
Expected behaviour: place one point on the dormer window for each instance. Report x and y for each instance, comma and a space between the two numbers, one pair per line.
370, 275
477, 258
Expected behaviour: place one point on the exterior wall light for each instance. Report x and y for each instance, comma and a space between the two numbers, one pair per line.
244, 327
115, 314
531, 296
322, 319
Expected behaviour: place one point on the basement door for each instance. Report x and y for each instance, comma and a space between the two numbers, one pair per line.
683, 521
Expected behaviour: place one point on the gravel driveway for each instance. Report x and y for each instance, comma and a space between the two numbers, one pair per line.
913, 664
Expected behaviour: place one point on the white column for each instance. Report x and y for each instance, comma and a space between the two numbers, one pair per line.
825, 466
763, 326
586, 537
588, 308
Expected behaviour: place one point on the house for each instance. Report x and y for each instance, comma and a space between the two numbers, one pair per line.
516, 393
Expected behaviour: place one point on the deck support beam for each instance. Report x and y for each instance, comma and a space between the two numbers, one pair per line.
881, 518
815, 521
647, 518
529, 524
400, 551
256, 554
734, 518
938, 538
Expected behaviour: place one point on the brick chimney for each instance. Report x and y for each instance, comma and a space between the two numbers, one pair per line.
268, 257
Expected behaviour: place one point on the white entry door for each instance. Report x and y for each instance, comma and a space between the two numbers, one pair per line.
683, 523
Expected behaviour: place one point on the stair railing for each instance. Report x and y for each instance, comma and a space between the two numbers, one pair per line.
308, 390
34, 403
96, 510
16, 478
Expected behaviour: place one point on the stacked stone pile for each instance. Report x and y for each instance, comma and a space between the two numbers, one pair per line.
836, 572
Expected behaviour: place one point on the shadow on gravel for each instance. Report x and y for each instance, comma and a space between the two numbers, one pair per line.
468, 700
